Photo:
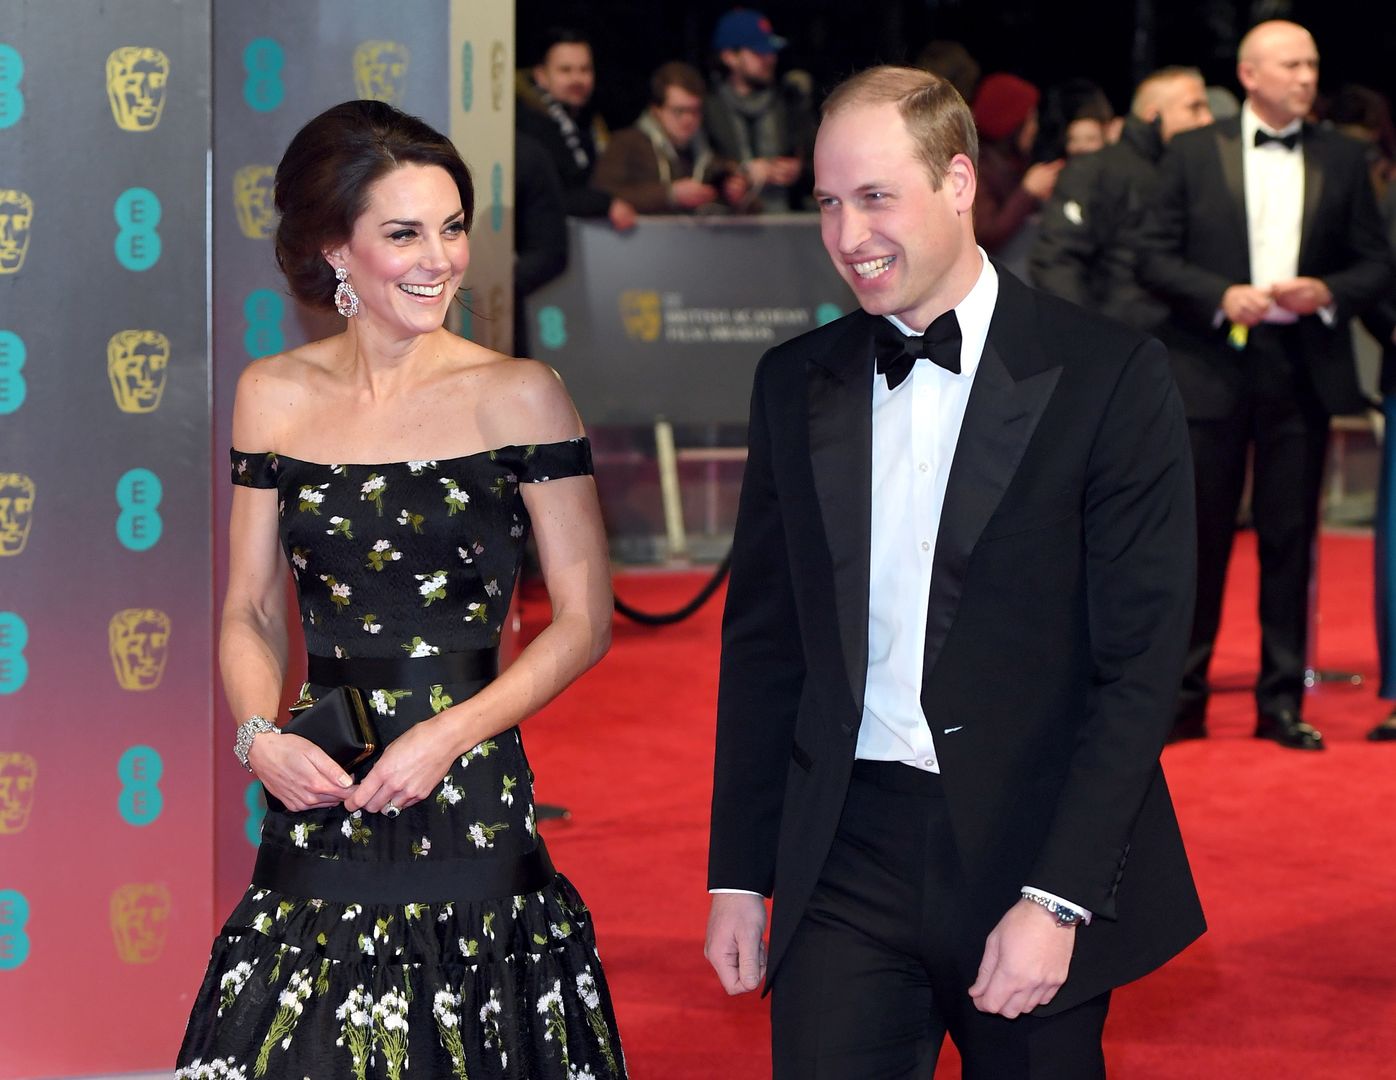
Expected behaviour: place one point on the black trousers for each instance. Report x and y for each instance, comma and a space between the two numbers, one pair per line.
879, 969
1281, 423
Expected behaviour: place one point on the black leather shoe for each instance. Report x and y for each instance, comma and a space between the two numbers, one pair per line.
1385, 731
1286, 728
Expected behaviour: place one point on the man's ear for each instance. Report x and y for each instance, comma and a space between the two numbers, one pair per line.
963, 182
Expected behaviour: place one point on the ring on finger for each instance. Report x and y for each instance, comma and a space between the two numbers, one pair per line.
391, 811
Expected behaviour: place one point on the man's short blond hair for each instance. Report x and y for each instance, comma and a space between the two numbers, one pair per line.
936, 116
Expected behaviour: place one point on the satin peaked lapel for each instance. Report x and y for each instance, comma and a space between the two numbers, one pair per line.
839, 386
1000, 419
1313, 188
1233, 171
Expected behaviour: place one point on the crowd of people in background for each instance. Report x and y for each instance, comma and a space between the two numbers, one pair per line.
1090, 183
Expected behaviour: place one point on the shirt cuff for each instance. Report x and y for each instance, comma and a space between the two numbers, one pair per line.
739, 892
1328, 313
1029, 890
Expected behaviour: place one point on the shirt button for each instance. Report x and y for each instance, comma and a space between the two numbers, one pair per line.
930, 763
925, 545
924, 467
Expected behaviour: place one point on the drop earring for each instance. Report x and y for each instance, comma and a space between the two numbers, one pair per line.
346, 300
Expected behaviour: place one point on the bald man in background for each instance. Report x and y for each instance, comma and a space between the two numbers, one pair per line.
1086, 251
1264, 241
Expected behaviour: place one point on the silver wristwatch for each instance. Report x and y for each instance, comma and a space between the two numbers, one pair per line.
1065, 916
248, 730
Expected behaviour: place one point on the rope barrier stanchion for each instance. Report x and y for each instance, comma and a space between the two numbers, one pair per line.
646, 618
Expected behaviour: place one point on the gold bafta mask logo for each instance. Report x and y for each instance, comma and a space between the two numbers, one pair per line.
498, 59
136, 78
17, 775
639, 310
136, 364
140, 919
380, 70
16, 512
16, 212
140, 641
253, 198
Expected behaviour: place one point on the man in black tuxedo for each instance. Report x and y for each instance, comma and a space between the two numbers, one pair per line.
961, 585
1265, 242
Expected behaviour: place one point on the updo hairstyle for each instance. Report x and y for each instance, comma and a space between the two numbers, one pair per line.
323, 182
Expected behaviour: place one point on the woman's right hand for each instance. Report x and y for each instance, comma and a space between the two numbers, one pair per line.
298, 772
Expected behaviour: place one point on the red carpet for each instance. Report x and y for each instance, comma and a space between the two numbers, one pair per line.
1295, 855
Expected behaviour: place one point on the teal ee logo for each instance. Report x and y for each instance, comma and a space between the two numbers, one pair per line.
137, 213
497, 197
552, 327
467, 76
14, 636
11, 99
12, 386
138, 494
827, 313
263, 310
256, 805
139, 771
14, 917
263, 60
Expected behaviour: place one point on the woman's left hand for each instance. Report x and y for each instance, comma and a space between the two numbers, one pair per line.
409, 770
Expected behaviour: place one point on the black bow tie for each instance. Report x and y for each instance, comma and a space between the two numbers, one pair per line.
1289, 142
897, 353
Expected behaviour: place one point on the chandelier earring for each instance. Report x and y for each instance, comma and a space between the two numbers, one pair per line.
346, 300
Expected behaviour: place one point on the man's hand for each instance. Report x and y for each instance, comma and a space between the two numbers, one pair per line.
690, 193
784, 170
1301, 295
736, 925
622, 215
1245, 304
1026, 958
1041, 178
735, 188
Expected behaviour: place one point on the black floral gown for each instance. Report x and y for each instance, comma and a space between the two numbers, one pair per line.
399, 565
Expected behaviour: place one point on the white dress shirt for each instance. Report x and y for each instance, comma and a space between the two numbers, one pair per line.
914, 431
1274, 185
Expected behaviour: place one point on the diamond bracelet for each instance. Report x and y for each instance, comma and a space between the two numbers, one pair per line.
248, 730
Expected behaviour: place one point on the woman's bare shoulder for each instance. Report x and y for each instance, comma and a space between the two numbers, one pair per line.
527, 403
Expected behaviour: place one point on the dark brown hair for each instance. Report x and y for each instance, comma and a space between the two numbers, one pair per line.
675, 73
323, 182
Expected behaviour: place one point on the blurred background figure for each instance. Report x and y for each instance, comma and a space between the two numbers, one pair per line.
750, 117
540, 228
953, 63
663, 164
1075, 117
1365, 115
1088, 238
554, 108
1011, 186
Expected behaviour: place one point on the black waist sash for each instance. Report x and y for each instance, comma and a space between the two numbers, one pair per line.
373, 672
428, 881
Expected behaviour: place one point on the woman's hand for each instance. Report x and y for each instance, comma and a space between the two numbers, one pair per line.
298, 772
409, 770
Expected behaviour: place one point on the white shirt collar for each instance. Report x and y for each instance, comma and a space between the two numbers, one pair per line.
974, 313
1250, 124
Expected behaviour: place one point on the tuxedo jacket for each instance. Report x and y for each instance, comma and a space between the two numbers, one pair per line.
1059, 606
1195, 244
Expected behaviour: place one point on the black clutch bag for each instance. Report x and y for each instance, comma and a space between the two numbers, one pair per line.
339, 725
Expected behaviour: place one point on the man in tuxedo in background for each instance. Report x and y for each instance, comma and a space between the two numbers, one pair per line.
961, 586
1264, 241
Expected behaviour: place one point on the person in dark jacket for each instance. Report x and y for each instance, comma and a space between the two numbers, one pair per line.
554, 107
1086, 249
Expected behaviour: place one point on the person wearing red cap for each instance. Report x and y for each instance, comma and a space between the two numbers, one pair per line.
751, 118
1010, 188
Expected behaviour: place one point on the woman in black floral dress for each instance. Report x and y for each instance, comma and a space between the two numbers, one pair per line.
405, 920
